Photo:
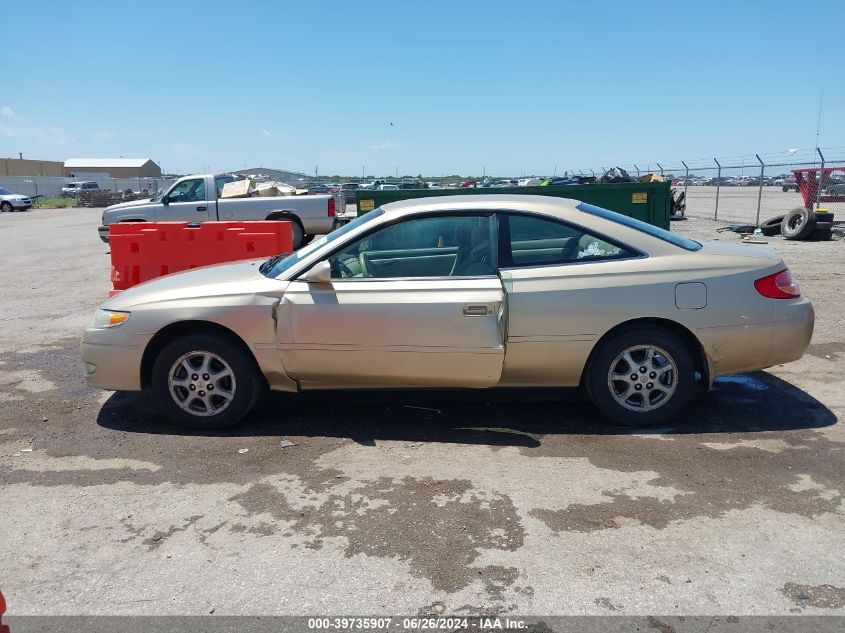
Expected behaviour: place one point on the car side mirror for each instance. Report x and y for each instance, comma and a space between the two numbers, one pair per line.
320, 273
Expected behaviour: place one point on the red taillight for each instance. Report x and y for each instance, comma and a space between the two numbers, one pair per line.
331, 207
780, 285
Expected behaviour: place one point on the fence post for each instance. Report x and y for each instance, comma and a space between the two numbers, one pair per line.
760, 187
638, 170
686, 184
718, 186
819, 183
660, 168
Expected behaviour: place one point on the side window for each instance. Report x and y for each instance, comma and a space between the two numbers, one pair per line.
448, 246
540, 242
188, 191
220, 181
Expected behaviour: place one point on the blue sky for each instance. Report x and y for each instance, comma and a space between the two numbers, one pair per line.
512, 87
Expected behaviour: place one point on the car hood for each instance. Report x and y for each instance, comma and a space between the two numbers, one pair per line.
13, 196
220, 282
126, 205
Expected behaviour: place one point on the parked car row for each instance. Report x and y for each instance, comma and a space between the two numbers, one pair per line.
735, 181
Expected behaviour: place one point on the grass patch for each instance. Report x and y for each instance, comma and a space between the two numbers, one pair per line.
56, 203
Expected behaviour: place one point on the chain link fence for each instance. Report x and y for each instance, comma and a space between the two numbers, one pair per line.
51, 186
751, 189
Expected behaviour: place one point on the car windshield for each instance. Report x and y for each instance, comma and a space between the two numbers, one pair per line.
5, 192
278, 264
654, 231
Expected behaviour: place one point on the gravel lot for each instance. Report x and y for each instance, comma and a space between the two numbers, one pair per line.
739, 204
487, 502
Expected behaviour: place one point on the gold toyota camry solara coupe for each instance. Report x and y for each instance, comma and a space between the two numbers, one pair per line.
458, 292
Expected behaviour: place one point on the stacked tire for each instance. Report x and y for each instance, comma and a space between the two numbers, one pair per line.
800, 224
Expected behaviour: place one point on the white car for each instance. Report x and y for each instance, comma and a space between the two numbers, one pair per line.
13, 201
388, 187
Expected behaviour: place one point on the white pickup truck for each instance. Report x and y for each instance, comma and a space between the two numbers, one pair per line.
197, 199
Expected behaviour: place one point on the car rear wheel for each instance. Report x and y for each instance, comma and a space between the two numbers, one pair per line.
6, 207
297, 234
205, 382
641, 377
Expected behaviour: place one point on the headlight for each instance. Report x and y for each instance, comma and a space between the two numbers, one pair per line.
110, 318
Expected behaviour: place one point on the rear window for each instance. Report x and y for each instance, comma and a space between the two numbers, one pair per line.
643, 227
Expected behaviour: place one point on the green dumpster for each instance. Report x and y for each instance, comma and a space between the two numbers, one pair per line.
650, 202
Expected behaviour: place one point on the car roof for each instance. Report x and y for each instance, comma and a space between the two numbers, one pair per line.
559, 207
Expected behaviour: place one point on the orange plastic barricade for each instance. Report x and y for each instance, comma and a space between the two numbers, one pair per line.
141, 251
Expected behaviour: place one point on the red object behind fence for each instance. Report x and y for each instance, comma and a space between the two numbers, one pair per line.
141, 251
808, 185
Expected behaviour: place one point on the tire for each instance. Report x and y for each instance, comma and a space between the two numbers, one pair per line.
771, 226
6, 207
297, 234
798, 223
785, 188
306, 239
182, 403
669, 355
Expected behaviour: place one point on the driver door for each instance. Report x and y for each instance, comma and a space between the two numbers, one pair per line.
416, 303
186, 201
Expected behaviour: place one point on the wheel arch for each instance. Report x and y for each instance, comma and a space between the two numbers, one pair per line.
700, 360
180, 328
286, 215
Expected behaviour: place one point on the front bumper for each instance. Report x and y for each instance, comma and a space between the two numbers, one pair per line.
112, 359
21, 205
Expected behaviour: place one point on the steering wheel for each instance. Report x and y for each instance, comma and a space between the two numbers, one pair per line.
344, 270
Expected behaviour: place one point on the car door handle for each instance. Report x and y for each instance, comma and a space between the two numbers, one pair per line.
202, 208
476, 310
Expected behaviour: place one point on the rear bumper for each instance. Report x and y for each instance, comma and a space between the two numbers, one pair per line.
735, 349
792, 331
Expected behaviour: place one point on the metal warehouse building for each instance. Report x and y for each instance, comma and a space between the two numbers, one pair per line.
114, 167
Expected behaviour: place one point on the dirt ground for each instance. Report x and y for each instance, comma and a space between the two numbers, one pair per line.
516, 502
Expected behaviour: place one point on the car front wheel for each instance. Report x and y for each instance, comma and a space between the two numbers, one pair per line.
641, 377
205, 382
6, 207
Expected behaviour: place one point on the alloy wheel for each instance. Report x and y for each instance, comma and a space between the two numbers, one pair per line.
201, 383
643, 378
